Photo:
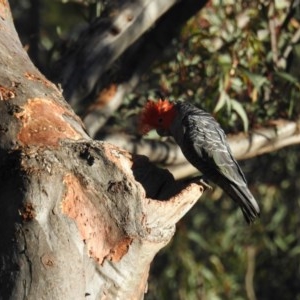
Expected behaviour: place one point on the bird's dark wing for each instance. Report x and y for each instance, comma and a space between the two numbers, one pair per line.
203, 142
208, 142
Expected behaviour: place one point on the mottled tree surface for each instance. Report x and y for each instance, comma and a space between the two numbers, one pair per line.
79, 219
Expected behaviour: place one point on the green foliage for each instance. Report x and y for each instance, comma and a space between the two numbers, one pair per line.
228, 61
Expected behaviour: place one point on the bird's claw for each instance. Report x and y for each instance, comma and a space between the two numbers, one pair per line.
205, 184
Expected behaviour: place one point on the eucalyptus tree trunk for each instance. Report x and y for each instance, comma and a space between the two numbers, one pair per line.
79, 219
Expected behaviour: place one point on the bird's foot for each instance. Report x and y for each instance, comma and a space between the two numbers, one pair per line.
204, 182
198, 179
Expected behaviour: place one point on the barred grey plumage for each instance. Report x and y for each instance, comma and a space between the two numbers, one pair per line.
203, 143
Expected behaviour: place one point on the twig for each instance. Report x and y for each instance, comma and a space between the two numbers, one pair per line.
273, 33
251, 254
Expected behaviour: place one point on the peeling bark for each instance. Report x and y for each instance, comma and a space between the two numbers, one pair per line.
78, 218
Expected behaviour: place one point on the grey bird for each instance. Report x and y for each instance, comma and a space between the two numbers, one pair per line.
203, 143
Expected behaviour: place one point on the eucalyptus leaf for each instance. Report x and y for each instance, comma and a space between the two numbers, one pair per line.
257, 80
222, 101
239, 109
289, 78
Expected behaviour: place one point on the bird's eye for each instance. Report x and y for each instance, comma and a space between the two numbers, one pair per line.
160, 120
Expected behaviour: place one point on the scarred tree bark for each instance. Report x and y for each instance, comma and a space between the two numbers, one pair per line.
79, 219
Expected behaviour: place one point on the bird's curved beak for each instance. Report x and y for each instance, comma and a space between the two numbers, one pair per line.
163, 132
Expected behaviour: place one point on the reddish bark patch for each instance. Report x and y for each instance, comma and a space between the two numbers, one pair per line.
4, 9
43, 123
27, 212
103, 238
48, 260
120, 249
104, 98
40, 79
6, 93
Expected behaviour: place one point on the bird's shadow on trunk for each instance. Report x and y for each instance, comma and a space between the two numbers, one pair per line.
158, 183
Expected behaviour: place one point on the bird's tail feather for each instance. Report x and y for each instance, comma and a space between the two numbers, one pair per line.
245, 199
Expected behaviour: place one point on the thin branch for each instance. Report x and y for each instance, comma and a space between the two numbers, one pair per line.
264, 140
249, 278
294, 40
272, 22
